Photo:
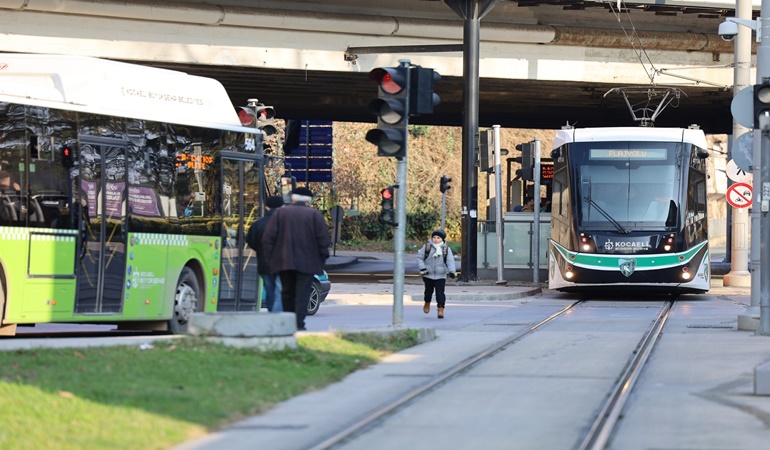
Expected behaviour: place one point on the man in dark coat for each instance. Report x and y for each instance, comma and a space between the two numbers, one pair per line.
270, 281
297, 241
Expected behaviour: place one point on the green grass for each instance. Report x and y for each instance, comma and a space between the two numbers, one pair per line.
128, 398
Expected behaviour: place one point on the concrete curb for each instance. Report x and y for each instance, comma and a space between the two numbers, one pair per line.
387, 298
339, 262
423, 334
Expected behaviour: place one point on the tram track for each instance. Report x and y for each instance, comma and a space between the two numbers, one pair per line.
382, 412
600, 428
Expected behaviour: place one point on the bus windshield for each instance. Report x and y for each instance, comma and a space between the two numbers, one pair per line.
626, 185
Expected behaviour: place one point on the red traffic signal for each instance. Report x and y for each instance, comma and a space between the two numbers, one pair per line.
388, 212
391, 80
67, 157
392, 110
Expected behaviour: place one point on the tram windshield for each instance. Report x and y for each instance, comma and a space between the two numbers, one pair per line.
626, 185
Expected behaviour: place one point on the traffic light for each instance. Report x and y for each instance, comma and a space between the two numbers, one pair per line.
388, 212
444, 186
486, 150
392, 111
526, 161
422, 99
762, 106
67, 157
266, 120
258, 115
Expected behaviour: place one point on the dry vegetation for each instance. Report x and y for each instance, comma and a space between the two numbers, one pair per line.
359, 174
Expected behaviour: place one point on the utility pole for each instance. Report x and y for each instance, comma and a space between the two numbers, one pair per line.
739, 253
536, 225
499, 207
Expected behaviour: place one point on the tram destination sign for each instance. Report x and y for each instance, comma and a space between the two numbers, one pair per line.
608, 153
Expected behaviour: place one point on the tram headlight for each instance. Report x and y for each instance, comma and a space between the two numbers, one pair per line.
586, 242
569, 274
667, 242
686, 273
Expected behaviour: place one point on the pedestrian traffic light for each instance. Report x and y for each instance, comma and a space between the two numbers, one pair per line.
67, 157
392, 111
762, 106
444, 186
526, 161
388, 212
422, 99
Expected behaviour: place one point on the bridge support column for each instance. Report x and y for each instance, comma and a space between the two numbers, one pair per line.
471, 11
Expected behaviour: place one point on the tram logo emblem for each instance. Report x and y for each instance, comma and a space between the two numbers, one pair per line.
626, 246
627, 266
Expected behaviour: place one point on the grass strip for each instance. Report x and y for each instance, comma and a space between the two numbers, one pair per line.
129, 398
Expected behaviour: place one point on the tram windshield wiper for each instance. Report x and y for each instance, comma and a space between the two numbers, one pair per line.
614, 222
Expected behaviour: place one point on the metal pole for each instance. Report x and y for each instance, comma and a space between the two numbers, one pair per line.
739, 274
536, 226
399, 235
498, 206
763, 71
443, 209
470, 129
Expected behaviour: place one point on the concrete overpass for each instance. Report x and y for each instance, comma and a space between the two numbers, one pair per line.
543, 63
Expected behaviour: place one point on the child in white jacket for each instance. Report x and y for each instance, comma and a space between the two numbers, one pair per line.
435, 261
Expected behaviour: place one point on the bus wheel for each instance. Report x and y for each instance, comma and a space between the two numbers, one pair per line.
186, 301
315, 298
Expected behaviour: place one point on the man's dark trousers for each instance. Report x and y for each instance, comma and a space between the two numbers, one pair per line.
296, 293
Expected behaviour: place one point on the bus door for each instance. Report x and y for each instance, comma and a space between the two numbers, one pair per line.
101, 212
239, 287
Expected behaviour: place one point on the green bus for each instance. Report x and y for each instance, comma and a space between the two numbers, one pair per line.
125, 195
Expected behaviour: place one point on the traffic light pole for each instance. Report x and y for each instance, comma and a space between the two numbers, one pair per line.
443, 210
399, 241
399, 234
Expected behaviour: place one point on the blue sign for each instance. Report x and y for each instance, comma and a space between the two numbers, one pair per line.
308, 150
312, 176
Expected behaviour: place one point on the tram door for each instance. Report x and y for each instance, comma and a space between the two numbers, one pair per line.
239, 287
100, 206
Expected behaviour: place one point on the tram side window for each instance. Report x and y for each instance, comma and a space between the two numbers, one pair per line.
696, 198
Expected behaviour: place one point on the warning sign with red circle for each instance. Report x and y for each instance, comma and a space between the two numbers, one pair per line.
739, 195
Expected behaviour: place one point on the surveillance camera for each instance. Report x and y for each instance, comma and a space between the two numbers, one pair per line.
728, 30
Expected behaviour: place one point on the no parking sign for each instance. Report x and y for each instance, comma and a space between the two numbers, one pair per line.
739, 195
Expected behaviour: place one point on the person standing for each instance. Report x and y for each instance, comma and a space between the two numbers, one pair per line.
435, 261
297, 241
270, 281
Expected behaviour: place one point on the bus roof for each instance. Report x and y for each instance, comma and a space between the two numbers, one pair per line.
92, 85
693, 136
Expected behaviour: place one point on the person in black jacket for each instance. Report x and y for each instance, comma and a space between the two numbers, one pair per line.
297, 241
270, 281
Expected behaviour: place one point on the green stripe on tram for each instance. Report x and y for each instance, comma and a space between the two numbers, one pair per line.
643, 262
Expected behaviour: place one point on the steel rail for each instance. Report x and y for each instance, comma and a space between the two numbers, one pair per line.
379, 414
602, 428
